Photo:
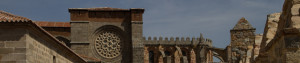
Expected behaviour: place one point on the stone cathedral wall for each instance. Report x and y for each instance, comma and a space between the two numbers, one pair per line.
39, 51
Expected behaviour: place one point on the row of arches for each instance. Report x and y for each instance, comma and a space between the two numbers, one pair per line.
181, 54
169, 54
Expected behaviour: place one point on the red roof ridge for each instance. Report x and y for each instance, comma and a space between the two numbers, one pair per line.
8, 17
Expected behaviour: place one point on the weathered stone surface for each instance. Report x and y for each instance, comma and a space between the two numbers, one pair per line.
282, 46
270, 29
20, 50
296, 1
295, 9
13, 57
6, 50
8, 61
242, 41
295, 21
2, 44
17, 44
258, 39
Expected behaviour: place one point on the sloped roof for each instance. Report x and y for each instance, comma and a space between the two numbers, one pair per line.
99, 9
7, 17
242, 24
10, 18
52, 24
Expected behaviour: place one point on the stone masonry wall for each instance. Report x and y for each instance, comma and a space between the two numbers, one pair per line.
27, 43
284, 46
270, 29
255, 52
12, 46
39, 51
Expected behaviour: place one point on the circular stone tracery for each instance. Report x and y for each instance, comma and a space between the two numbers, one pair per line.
107, 44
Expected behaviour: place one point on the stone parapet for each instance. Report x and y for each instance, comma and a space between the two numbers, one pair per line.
176, 41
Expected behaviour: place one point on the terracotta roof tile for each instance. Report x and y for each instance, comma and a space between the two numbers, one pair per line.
52, 24
10, 18
7, 17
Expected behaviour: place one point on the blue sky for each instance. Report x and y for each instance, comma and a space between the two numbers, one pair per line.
166, 18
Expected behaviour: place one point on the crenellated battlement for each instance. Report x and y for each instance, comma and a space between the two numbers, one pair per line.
176, 41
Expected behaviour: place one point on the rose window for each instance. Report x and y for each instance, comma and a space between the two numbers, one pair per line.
107, 44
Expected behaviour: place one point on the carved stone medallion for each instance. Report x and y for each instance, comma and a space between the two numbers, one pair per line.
107, 44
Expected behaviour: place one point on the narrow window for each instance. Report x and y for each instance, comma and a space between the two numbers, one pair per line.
151, 57
167, 53
54, 59
183, 53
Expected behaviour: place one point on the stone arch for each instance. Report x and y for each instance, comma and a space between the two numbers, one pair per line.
219, 53
169, 50
185, 54
184, 51
150, 53
218, 56
177, 54
192, 56
179, 51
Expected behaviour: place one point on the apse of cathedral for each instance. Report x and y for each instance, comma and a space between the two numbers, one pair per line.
115, 35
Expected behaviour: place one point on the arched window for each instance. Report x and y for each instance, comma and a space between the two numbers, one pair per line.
151, 57
167, 53
183, 53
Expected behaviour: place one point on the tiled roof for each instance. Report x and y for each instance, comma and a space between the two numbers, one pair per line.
52, 24
7, 17
100, 9
10, 18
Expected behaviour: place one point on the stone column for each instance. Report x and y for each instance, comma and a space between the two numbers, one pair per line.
229, 54
137, 34
177, 57
160, 59
209, 56
249, 53
193, 56
156, 55
146, 55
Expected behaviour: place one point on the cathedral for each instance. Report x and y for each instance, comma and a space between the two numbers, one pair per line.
95, 35
114, 35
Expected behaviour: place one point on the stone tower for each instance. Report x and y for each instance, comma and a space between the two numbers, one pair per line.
242, 40
111, 35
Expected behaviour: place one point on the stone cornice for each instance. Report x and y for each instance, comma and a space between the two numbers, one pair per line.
136, 22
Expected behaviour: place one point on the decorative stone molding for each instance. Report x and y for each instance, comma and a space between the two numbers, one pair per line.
107, 44
79, 21
291, 30
136, 22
